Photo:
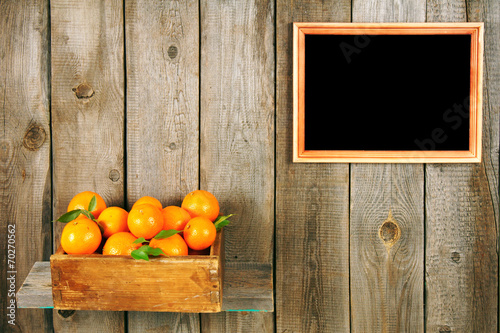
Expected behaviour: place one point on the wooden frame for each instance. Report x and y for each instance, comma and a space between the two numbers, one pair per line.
476, 30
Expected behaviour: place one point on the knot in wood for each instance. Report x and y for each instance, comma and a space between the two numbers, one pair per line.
66, 313
172, 51
389, 232
444, 329
455, 256
114, 175
84, 90
34, 137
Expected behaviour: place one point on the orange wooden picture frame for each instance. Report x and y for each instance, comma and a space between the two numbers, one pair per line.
473, 155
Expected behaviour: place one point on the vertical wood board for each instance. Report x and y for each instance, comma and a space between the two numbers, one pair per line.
312, 203
237, 135
462, 203
162, 50
387, 248
87, 120
25, 180
387, 252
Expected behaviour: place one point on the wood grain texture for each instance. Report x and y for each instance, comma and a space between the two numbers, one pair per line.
237, 135
162, 47
312, 203
36, 291
462, 204
387, 255
87, 119
122, 283
247, 286
394, 274
25, 181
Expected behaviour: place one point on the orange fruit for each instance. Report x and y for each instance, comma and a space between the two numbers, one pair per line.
175, 218
172, 246
120, 244
199, 233
82, 200
201, 203
113, 220
145, 220
149, 200
81, 236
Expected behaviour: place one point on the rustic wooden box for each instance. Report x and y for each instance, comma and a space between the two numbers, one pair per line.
121, 283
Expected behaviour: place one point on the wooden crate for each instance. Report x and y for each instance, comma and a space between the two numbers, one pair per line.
121, 283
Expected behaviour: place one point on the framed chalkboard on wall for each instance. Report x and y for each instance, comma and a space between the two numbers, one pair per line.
387, 92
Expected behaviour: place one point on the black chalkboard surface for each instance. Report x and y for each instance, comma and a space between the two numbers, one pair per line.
401, 92
389, 95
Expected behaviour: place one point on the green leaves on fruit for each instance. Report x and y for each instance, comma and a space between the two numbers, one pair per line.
222, 221
167, 233
145, 251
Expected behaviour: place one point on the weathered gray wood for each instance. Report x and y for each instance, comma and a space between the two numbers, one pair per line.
387, 248
386, 272
247, 286
462, 203
312, 203
25, 182
162, 118
36, 291
87, 120
237, 135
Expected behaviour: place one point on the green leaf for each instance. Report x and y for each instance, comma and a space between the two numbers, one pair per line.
167, 233
140, 254
70, 216
222, 221
88, 214
155, 251
92, 203
145, 251
139, 240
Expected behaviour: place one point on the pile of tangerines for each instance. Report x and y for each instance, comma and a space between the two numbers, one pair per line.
147, 229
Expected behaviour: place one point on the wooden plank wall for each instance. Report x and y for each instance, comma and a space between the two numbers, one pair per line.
159, 98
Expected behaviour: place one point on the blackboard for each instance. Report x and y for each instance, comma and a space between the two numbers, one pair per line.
376, 95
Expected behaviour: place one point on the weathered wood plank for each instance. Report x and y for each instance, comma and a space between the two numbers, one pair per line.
462, 203
247, 286
162, 118
87, 120
312, 203
387, 273
36, 291
25, 180
237, 135
387, 248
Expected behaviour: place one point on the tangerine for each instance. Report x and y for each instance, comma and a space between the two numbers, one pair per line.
113, 220
201, 203
199, 233
149, 200
175, 217
145, 220
172, 246
120, 244
82, 200
81, 236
